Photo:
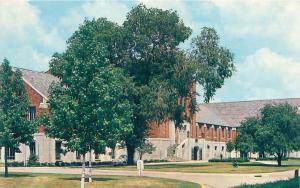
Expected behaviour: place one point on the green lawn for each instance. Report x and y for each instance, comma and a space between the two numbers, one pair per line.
294, 183
211, 167
291, 162
22, 180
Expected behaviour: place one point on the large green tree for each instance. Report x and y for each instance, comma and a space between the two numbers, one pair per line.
146, 48
151, 43
14, 105
280, 129
89, 107
163, 73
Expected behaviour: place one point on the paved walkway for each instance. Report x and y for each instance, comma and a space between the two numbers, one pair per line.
208, 179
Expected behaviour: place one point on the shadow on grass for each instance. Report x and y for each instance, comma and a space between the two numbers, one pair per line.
94, 179
13, 175
292, 183
177, 165
265, 165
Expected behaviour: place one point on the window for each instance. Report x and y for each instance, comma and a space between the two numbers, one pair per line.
96, 156
222, 148
208, 146
57, 150
188, 134
32, 148
77, 155
32, 112
215, 132
223, 133
11, 154
216, 147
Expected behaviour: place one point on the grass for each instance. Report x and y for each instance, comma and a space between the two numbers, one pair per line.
291, 162
23, 180
212, 167
293, 183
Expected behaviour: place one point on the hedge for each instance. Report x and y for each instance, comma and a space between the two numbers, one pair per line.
155, 160
240, 160
62, 164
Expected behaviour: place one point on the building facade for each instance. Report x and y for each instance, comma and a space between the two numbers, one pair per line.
203, 138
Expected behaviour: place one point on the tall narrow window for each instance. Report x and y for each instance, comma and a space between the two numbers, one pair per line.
223, 132
32, 148
11, 154
77, 155
96, 156
57, 150
32, 112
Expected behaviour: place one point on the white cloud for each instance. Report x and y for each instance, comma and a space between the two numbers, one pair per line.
16, 17
113, 10
40, 58
22, 33
274, 19
264, 75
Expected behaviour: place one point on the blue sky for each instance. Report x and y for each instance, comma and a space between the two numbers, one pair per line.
263, 35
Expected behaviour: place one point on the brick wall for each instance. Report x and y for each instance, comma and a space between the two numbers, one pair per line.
215, 133
35, 99
159, 131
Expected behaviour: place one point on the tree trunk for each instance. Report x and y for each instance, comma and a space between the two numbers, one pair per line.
83, 172
90, 167
279, 159
113, 151
5, 160
177, 139
130, 154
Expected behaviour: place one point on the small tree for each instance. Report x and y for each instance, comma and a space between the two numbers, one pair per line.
245, 144
14, 104
145, 147
230, 146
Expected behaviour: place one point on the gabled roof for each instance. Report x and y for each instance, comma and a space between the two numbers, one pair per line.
233, 113
39, 81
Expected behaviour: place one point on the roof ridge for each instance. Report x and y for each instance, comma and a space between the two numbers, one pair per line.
20, 68
245, 101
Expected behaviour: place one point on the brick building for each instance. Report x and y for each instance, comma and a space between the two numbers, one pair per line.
203, 138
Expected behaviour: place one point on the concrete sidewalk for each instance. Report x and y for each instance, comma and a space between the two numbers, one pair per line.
209, 179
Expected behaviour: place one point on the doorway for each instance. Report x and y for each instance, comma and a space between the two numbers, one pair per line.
195, 153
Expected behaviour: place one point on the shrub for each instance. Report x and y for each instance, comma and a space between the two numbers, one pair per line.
32, 160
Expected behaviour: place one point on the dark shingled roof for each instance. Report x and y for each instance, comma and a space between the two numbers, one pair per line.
233, 113
39, 81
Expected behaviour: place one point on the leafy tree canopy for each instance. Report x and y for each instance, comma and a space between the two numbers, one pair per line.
14, 105
276, 131
146, 48
89, 106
